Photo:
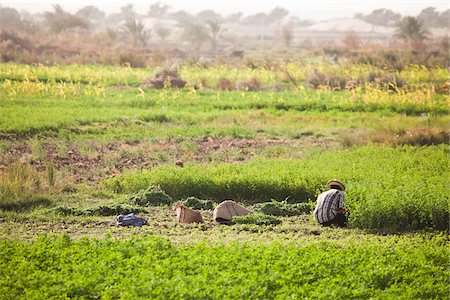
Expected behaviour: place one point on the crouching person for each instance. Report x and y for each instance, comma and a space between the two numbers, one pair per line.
187, 215
330, 206
226, 210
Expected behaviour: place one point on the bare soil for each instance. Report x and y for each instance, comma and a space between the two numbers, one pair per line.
100, 161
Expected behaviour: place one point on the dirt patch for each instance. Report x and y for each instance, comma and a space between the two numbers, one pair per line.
73, 157
83, 163
227, 150
85, 167
210, 144
20, 150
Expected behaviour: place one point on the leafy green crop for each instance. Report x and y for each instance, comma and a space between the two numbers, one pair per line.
102, 210
152, 196
149, 267
196, 203
282, 208
402, 187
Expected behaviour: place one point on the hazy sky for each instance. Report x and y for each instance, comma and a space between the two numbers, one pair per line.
315, 9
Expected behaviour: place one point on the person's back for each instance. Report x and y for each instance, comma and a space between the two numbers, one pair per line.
330, 205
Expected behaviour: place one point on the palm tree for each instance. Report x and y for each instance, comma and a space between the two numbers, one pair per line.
111, 35
9, 17
197, 34
134, 29
127, 12
287, 33
214, 27
411, 29
158, 10
162, 32
60, 20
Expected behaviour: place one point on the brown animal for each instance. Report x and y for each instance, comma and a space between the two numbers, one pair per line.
225, 211
187, 215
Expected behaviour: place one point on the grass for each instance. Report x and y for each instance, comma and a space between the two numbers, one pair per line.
257, 219
22, 188
127, 114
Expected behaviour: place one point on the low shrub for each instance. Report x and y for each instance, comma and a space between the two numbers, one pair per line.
196, 203
152, 196
388, 81
133, 59
318, 79
224, 84
399, 60
282, 208
103, 210
66, 211
120, 209
423, 137
252, 84
257, 219
165, 78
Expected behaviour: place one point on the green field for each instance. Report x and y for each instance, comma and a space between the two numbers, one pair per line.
149, 267
79, 143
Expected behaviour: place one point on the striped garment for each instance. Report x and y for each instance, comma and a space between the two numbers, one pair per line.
327, 204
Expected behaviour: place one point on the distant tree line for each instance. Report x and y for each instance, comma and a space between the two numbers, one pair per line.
128, 26
429, 17
90, 17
